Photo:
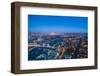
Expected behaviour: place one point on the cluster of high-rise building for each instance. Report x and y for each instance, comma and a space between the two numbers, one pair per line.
54, 45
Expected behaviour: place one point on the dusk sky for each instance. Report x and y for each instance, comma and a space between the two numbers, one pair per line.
47, 23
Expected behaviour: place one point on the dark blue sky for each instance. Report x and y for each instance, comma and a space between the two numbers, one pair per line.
43, 23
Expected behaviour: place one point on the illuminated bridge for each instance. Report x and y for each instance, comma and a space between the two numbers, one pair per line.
39, 46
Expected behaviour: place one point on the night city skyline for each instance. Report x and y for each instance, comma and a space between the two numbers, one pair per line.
57, 37
46, 23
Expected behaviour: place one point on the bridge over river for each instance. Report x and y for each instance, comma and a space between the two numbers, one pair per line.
39, 46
